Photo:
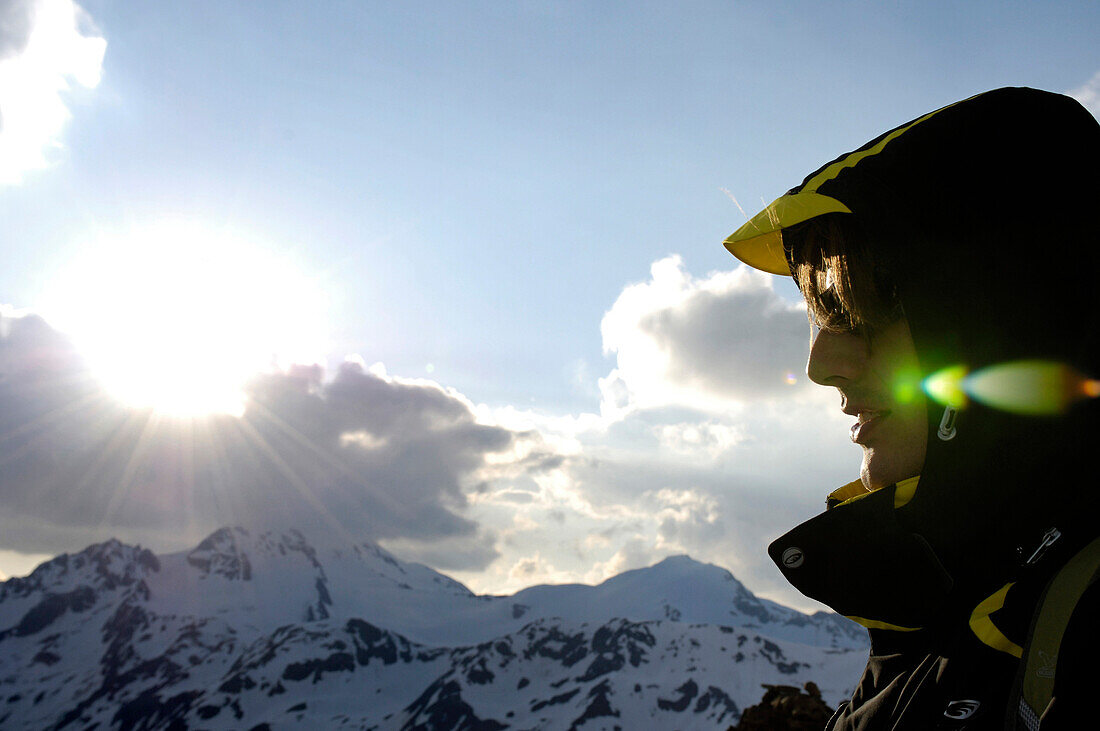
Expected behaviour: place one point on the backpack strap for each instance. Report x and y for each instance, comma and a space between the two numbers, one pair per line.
1034, 687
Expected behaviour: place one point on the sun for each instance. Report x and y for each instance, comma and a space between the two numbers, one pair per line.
177, 316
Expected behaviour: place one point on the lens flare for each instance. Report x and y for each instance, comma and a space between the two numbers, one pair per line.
907, 386
1027, 387
946, 386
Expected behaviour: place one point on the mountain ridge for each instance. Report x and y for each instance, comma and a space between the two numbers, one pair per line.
232, 630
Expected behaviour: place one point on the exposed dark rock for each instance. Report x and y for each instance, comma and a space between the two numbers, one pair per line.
47, 658
715, 698
774, 655
441, 706
687, 692
479, 674
557, 645
148, 710
373, 643
317, 667
598, 707
53, 607
787, 708
324, 601
237, 683
615, 643
560, 698
220, 554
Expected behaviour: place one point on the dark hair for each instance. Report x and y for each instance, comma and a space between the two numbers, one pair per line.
845, 287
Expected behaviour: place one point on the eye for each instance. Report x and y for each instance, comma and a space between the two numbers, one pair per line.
829, 302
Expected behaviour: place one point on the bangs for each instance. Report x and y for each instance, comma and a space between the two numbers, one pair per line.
845, 289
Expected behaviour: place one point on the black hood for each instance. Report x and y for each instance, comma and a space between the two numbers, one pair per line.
986, 211
990, 220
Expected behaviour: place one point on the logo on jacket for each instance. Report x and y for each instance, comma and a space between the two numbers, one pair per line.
1047, 664
792, 558
961, 710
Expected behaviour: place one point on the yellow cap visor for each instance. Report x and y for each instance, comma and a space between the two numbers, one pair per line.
759, 243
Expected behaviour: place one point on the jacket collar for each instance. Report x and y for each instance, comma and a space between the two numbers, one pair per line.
859, 559
864, 558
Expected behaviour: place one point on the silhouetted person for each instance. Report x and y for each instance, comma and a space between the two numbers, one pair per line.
949, 268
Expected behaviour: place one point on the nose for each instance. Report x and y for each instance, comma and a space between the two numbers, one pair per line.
836, 357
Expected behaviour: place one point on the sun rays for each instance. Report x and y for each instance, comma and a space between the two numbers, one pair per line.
176, 316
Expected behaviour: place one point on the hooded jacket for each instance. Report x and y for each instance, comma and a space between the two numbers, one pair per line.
985, 211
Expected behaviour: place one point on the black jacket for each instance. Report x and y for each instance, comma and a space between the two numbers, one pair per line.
958, 671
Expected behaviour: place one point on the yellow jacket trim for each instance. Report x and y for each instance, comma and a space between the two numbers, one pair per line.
903, 492
848, 492
1054, 615
984, 629
876, 624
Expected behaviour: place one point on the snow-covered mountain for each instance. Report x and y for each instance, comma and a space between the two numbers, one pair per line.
271, 630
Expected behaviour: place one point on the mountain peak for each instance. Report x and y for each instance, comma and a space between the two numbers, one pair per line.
106, 565
246, 625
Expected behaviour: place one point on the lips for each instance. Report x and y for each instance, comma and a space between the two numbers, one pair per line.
868, 422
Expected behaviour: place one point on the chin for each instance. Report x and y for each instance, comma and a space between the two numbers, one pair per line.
875, 477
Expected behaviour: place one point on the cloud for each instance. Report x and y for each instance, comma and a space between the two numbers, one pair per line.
45, 46
707, 452
701, 342
20, 564
625, 499
1089, 94
360, 453
706, 437
703, 445
16, 20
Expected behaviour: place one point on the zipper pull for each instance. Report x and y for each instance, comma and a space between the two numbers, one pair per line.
1049, 538
947, 428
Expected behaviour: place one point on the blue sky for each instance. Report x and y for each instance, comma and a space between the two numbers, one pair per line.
485, 197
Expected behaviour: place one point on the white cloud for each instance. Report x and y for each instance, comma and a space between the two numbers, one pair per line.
709, 343
634, 553
680, 507
707, 438
45, 46
1089, 94
702, 446
535, 569
14, 563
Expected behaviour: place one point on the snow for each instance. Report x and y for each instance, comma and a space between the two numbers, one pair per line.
250, 627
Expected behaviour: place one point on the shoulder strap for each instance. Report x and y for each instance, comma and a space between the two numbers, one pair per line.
1034, 686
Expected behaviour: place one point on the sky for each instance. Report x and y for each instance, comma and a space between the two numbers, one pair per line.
443, 275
